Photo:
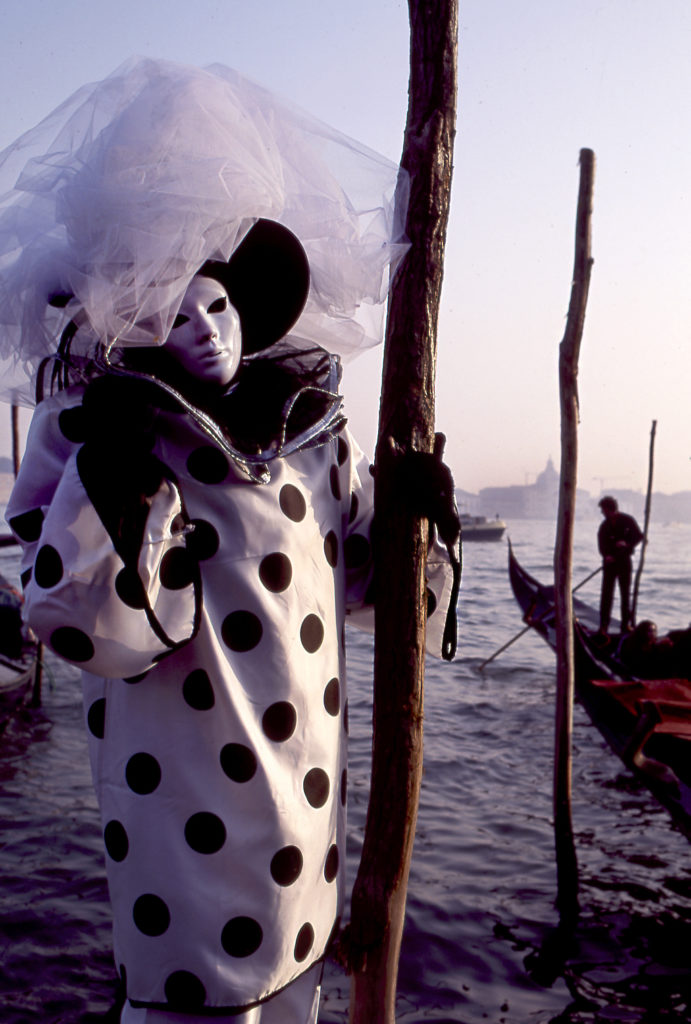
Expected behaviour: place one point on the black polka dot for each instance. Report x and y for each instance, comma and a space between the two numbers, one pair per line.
356, 551
28, 525
116, 841
150, 914
132, 680
208, 465
344, 786
177, 569
96, 718
292, 503
241, 936
238, 762
341, 450
332, 696
25, 578
331, 548
48, 568
72, 424
276, 572
241, 631
205, 832
143, 773
286, 865
198, 691
335, 482
316, 787
354, 505
184, 992
202, 541
304, 942
130, 589
311, 633
431, 602
279, 721
331, 863
71, 643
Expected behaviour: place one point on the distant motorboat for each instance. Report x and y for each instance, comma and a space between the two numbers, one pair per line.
481, 528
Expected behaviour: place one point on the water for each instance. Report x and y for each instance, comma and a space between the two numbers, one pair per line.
481, 943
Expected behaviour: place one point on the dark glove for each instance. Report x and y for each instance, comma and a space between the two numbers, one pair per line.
116, 465
426, 486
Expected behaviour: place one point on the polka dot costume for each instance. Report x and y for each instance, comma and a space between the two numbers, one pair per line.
215, 698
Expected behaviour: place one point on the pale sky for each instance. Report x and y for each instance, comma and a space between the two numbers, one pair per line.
538, 81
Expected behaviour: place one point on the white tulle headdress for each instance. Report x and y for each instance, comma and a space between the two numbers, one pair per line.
113, 202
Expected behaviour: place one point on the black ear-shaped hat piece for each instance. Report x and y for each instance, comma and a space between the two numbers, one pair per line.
267, 279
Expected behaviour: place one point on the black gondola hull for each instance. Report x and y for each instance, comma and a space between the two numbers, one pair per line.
646, 722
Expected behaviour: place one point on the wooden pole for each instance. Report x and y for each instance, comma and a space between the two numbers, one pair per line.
15, 439
646, 522
406, 423
37, 683
567, 867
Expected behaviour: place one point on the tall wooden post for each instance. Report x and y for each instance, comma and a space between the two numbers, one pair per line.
567, 868
14, 422
406, 423
646, 522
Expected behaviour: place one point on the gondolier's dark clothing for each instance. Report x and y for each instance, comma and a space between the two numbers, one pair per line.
617, 537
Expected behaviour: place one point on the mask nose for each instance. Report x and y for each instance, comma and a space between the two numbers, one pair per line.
205, 329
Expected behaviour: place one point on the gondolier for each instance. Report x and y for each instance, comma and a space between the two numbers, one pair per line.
617, 537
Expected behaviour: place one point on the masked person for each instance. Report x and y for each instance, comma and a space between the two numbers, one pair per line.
196, 522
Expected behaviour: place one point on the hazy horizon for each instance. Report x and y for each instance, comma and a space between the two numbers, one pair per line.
537, 83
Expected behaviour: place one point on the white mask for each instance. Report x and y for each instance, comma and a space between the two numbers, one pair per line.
205, 338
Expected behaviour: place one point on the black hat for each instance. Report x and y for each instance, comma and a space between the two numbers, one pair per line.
267, 279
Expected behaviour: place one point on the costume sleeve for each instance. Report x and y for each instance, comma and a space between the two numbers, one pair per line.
80, 598
357, 489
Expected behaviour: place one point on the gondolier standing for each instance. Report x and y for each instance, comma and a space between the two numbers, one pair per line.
617, 537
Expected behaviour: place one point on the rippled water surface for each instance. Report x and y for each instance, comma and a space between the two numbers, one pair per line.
481, 940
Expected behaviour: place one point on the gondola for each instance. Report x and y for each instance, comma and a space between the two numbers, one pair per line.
645, 721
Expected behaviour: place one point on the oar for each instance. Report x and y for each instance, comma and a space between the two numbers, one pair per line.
531, 624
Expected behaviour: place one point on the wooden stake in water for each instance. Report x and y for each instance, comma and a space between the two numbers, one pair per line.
646, 522
406, 423
567, 867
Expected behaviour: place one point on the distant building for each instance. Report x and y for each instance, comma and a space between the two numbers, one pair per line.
541, 501
467, 502
664, 508
531, 501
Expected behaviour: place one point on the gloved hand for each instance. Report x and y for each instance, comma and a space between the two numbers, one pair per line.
116, 465
425, 484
